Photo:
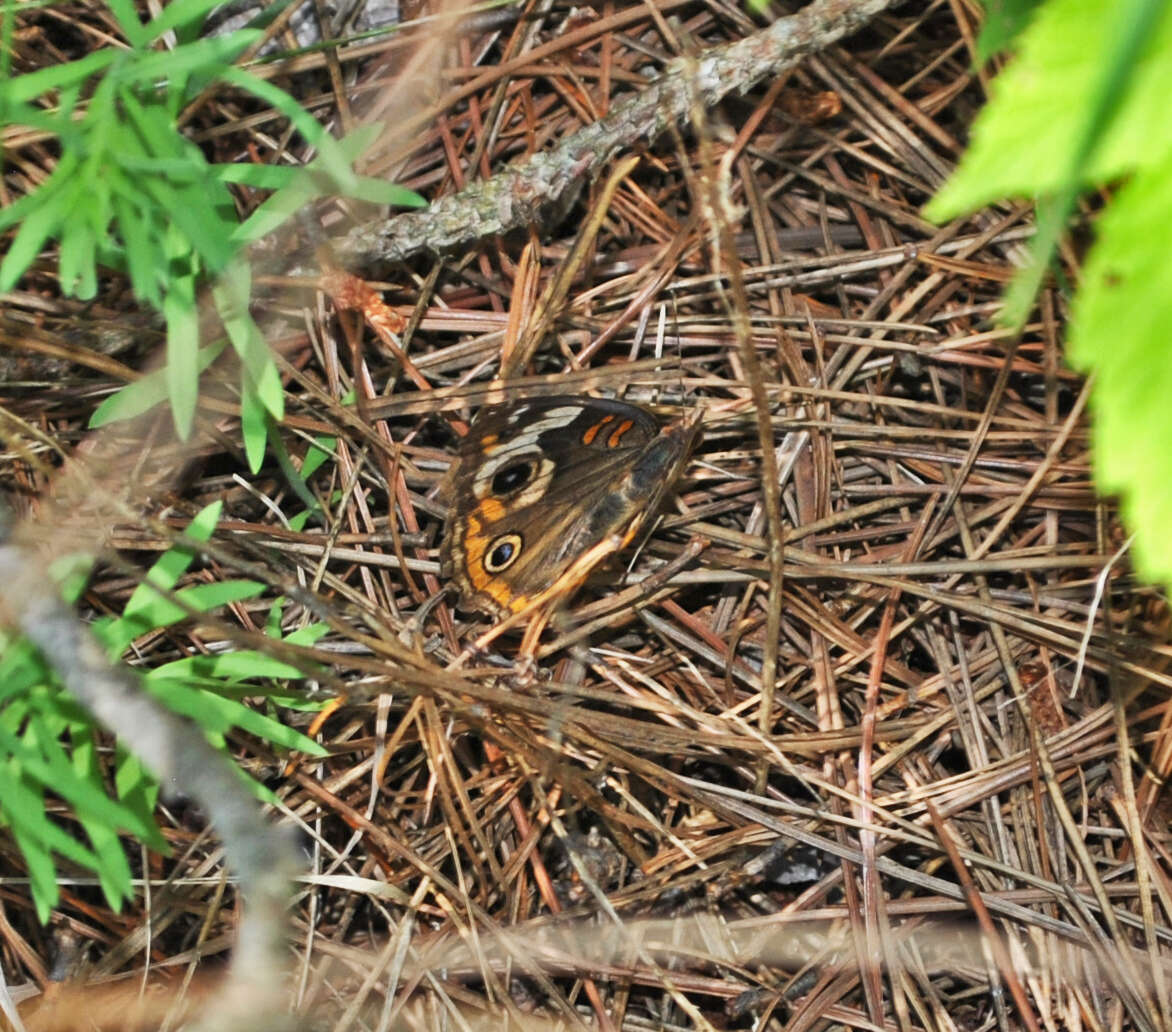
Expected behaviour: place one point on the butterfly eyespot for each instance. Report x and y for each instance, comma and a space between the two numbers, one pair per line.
513, 477
502, 553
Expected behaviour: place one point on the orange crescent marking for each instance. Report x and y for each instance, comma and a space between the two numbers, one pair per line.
589, 435
490, 510
617, 436
475, 542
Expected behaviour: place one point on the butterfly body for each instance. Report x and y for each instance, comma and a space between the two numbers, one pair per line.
537, 484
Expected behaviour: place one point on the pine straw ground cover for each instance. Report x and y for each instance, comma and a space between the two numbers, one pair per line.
965, 729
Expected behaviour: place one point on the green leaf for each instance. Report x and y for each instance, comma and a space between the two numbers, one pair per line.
310, 182
182, 367
319, 453
142, 255
275, 211
1119, 329
22, 667
41, 869
1026, 141
42, 758
113, 871
269, 389
254, 427
204, 522
1005, 20
7, 19
139, 792
76, 268
24, 809
149, 600
261, 177
379, 191
152, 613
218, 715
180, 14
144, 394
20, 88
128, 22
291, 472
193, 216
231, 293
308, 635
230, 666
56, 199
210, 56
166, 571
330, 155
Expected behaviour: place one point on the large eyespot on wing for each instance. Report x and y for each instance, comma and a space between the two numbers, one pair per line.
514, 476
502, 552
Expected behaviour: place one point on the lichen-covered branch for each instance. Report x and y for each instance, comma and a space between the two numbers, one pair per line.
546, 182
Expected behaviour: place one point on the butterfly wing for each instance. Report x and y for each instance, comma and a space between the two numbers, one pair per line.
537, 484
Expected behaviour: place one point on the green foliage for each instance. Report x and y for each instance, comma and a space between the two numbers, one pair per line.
48, 744
1083, 104
1004, 22
131, 192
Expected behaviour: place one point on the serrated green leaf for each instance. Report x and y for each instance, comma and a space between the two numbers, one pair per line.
1118, 329
1028, 135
